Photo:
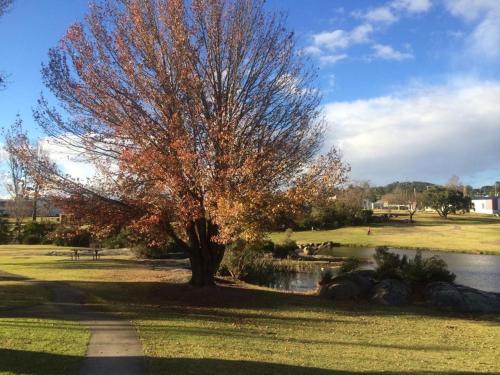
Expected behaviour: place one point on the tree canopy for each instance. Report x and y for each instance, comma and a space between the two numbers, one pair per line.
199, 116
446, 200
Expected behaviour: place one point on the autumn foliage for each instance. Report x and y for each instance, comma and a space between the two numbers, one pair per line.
199, 116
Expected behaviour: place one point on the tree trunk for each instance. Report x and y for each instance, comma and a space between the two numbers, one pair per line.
205, 255
34, 212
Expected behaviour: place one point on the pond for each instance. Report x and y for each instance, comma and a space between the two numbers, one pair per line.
473, 270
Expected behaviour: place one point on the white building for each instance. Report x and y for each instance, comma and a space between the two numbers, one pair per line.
486, 205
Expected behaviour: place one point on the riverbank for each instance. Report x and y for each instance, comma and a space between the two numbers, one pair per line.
468, 233
240, 328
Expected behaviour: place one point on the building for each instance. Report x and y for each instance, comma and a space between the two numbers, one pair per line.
486, 205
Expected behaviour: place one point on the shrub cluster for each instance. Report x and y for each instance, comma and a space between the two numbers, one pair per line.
250, 262
34, 233
141, 250
70, 236
416, 270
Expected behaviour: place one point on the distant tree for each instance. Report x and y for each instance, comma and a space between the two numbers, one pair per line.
409, 198
199, 116
22, 187
446, 200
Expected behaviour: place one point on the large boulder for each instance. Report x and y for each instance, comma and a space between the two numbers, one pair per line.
391, 292
350, 285
451, 297
340, 290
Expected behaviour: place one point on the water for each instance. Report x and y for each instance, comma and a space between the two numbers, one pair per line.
474, 270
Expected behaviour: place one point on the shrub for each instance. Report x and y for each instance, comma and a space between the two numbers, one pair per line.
141, 250
416, 270
117, 241
5, 235
389, 265
420, 270
33, 233
350, 264
241, 259
284, 249
71, 236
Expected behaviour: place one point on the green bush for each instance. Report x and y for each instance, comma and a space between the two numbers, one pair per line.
71, 236
33, 233
5, 235
285, 249
117, 241
144, 251
350, 264
416, 270
420, 270
241, 259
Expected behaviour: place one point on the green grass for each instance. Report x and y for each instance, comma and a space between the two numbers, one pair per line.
241, 329
469, 233
41, 346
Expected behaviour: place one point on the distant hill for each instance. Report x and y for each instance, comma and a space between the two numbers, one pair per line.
419, 186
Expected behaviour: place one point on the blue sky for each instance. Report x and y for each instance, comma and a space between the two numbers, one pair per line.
411, 88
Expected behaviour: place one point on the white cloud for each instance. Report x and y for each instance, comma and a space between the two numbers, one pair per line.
412, 6
340, 39
70, 161
426, 133
381, 14
332, 59
484, 40
472, 10
386, 52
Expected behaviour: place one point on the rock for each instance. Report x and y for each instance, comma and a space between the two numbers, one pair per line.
391, 292
351, 285
444, 296
308, 250
343, 290
459, 298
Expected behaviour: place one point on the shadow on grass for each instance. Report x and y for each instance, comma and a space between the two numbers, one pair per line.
138, 300
39, 363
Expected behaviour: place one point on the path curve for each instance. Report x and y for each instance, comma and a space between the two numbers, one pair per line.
114, 346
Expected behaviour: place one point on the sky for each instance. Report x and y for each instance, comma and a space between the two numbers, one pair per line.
411, 88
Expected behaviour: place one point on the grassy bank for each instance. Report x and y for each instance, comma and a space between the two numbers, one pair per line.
237, 328
469, 233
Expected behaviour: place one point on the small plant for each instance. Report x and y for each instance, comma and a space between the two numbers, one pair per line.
350, 264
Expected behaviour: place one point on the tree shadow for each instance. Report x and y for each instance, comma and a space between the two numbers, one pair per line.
41, 363
138, 300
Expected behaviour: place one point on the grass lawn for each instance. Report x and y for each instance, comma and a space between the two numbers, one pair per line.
241, 329
31, 344
472, 233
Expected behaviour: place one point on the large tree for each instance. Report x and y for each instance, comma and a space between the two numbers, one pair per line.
199, 116
446, 200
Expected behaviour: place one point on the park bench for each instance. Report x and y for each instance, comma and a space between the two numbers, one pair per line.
95, 251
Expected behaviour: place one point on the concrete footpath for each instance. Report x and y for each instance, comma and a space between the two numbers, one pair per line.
114, 346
